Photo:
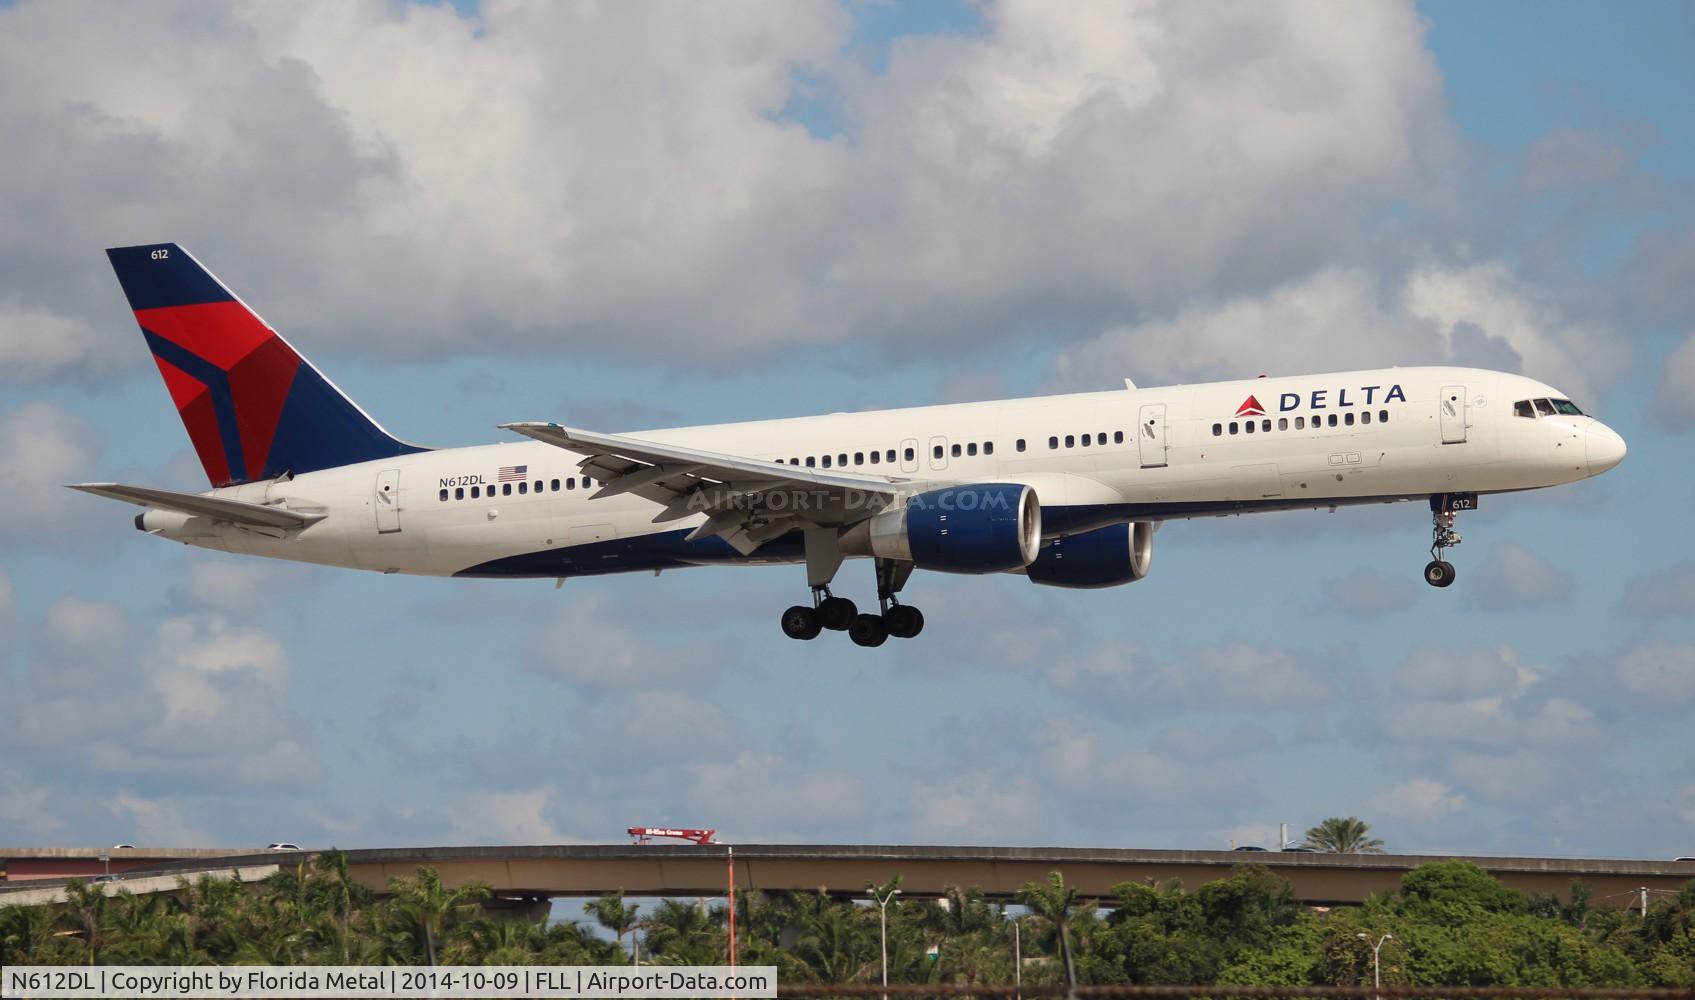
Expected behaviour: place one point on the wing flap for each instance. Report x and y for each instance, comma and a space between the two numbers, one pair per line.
200, 505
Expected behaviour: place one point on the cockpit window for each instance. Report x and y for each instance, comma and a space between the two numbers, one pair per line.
1567, 407
1522, 408
1544, 407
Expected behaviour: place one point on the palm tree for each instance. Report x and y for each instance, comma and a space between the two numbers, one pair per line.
432, 908
1343, 835
1054, 902
333, 863
683, 933
611, 913
86, 907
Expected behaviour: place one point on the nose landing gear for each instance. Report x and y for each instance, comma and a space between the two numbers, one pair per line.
1443, 508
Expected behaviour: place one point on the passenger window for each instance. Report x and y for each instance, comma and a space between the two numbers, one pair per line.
988, 447
971, 449
1333, 420
936, 452
1071, 440
1085, 440
444, 494
1232, 427
555, 485
1382, 416
859, 458
1544, 407
1053, 442
1365, 418
1018, 445
587, 482
1282, 423
1217, 429
1100, 438
459, 493
1348, 418
506, 489
571, 483
876, 457
1117, 437
892, 455
810, 461
1300, 423
826, 461
911, 454
523, 488
841, 460
1249, 426
1265, 425
955, 451
474, 493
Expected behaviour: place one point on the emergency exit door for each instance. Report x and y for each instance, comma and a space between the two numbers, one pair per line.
1451, 414
1150, 435
388, 501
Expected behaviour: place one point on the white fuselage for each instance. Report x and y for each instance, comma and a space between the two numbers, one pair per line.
1168, 452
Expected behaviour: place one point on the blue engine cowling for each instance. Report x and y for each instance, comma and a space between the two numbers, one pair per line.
1105, 557
977, 528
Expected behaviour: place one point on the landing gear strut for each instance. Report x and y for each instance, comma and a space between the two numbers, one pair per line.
1439, 572
903, 621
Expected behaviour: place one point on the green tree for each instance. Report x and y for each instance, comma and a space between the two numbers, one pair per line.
1343, 835
611, 913
1054, 901
433, 908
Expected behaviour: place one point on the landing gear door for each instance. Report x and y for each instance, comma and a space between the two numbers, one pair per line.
1150, 435
388, 501
1451, 411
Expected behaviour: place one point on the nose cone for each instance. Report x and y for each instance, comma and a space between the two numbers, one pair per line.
1605, 448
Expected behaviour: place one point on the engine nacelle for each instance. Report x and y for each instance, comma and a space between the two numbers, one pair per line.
977, 528
1105, 557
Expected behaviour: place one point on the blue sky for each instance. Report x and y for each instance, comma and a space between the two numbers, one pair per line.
666, 215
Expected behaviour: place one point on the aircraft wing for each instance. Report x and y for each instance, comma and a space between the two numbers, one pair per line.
747, 501
199, 505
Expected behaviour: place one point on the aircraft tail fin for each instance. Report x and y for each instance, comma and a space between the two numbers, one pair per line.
253, 406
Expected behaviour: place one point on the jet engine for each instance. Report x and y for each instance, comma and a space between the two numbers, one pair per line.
1105, 557
976, 528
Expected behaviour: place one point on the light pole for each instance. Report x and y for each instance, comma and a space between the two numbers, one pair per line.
1376, 961
883, 923
1017, 961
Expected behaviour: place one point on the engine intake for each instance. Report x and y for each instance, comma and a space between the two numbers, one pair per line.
979, 528
1106, 557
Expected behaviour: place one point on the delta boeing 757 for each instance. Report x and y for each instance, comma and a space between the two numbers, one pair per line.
1066, 490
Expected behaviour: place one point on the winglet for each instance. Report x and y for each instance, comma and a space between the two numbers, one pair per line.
1128, 384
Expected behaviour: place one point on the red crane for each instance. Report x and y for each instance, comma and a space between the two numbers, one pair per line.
645, 834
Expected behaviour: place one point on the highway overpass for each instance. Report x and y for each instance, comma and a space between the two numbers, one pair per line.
688, 870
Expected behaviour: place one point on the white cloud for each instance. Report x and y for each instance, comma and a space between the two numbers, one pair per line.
1674, 398
41, 448
1229, 673
975, 808
38, 344
1433, 672
1419, 799
515, 817
1664, 593
622, 177
155, 822
1342, 317
1660, 673
774, 794
1516, 579
590, 649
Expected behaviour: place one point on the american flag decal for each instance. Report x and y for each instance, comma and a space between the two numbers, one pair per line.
513, 473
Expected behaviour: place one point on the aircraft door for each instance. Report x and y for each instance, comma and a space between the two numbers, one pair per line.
909, 455
388, 501
1150, 435
1451, 411
938, 453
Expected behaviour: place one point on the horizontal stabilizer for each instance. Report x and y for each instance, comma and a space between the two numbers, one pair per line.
200, 505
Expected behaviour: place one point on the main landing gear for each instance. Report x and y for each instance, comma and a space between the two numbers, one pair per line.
1443, 508
903, 621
